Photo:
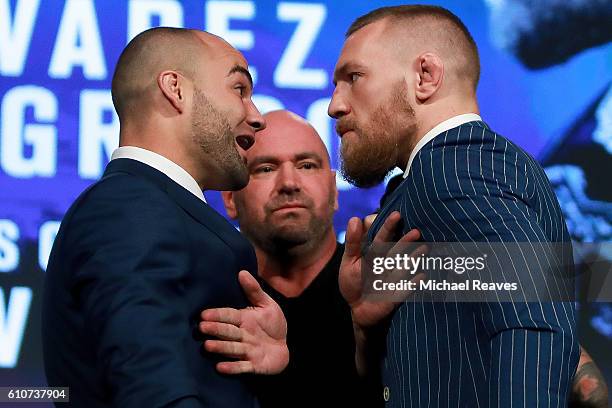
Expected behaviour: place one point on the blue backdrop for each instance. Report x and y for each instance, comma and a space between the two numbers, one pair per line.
548, 93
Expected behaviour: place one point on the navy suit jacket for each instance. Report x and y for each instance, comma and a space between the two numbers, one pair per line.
136, 259
471, 185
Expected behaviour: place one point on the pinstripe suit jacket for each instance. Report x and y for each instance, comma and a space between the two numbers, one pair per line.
469, 184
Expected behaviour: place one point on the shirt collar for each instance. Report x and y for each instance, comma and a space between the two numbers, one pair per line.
161, 163
438, 129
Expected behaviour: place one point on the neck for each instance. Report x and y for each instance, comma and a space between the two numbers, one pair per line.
430, 116
159, 140
290, 273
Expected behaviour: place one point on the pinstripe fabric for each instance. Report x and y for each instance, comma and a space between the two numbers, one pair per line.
471, 185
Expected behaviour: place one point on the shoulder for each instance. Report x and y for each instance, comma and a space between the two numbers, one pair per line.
122, 190
475, 158
122, 203
118, 186
480, 145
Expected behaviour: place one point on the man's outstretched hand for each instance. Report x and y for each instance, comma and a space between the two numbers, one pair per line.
367, 313
256, 336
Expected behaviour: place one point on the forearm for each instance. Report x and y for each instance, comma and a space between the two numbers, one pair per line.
369, 349
589, 389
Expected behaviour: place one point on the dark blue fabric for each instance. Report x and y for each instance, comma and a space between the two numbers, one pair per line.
471, 185
136, 259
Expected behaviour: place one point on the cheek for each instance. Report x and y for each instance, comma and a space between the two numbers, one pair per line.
322, 196
250, 211
365, 98
233, 115
255, 197
241, 107
234, 110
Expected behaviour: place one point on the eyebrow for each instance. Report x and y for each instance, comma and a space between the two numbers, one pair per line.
262, 159
274, 160
346, 67
309, 155
241, 70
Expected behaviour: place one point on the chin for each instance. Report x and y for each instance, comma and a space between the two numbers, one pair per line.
364, 180
237, 179
291, 221
290, 238
290, 228
238, 184
228, 183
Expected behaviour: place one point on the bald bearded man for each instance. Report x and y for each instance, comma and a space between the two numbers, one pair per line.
286, 211
140, 253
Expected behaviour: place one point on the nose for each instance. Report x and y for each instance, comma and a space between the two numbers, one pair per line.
288, 179
337, 106
254, 118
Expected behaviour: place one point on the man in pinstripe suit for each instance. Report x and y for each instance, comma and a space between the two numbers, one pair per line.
405, 96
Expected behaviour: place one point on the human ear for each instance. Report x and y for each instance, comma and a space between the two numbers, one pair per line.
172, 86
335, 187
430, 73
230, 205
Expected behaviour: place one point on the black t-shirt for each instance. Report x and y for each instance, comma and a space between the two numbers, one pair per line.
321, 370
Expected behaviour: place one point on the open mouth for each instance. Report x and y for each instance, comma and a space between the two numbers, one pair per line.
245, 141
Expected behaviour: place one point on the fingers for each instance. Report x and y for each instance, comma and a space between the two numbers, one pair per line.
403, 245
222, 315
353, 237
252, 289
230, 349
411, 236
387, 231
222, 331
235, 367
418, 277
406, 245
368, 221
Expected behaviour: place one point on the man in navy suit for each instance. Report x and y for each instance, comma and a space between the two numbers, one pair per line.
405, 97
140, 253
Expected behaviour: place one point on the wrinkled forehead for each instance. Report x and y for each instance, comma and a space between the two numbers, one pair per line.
287, 139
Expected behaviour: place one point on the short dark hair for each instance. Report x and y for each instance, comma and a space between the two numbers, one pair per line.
404, 13
150, 51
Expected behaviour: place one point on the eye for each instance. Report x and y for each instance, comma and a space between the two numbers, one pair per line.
263, 169
308, 166
241, 89
354, 76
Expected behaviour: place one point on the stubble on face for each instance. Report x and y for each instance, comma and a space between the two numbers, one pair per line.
282, 233
212, 133
372, 151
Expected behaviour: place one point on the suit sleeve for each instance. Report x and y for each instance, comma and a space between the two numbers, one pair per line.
132, 256
533, 344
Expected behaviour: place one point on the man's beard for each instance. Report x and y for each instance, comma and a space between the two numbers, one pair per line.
374, 150
212, 132
282, 236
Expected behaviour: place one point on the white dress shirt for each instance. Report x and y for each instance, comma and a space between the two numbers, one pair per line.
159, 162
439, 129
